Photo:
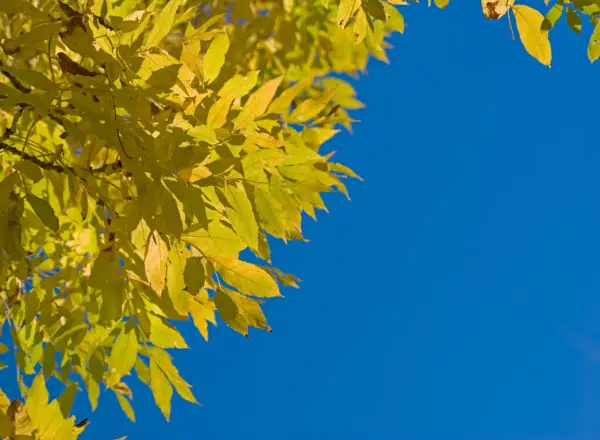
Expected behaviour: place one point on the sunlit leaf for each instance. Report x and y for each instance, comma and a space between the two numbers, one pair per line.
156, 262
123, 354
161, 389
529, 24
163, 22
215, 57
248, 278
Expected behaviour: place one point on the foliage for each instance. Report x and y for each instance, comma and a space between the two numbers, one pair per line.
148, 149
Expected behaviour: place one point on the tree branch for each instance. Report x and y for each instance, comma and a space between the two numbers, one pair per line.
113, 166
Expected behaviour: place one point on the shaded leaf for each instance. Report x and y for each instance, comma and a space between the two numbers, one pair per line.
44, 211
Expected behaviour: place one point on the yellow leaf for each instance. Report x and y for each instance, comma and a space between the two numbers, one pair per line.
162, 359
163, 23
360, 28
215, 57
123, 354
239, 86
248, 278
217, 114
190, 55
6, 425
258, 103
217, 240
203, 133
125, 406
347, 10
310, 108
156, 262
203, 312
394, 19
284, 100
535, 40
175, 280
594, 44
164, 335
37, 398
242, 216
161, 389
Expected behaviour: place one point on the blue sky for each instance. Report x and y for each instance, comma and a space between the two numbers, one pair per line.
456, 295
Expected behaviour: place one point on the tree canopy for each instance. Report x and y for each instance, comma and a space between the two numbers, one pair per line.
149, 151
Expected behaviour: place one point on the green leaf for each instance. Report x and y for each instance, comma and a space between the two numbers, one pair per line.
30, 170
31, 77
66, 399
161, 389
44, 211
239, 312
48, 359
123, 354
534, 39
553, 15
588, 7
21, 6
573, 20
194, 275
215, 57
229, 313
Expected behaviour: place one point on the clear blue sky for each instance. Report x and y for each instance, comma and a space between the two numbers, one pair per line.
457, 295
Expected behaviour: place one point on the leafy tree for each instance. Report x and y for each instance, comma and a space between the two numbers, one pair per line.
147, 151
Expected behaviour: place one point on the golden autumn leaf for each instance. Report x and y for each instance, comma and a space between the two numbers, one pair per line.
534, 39
496, 9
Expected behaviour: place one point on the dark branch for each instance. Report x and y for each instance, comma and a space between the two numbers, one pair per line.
15, 82
113, 166
30, 158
